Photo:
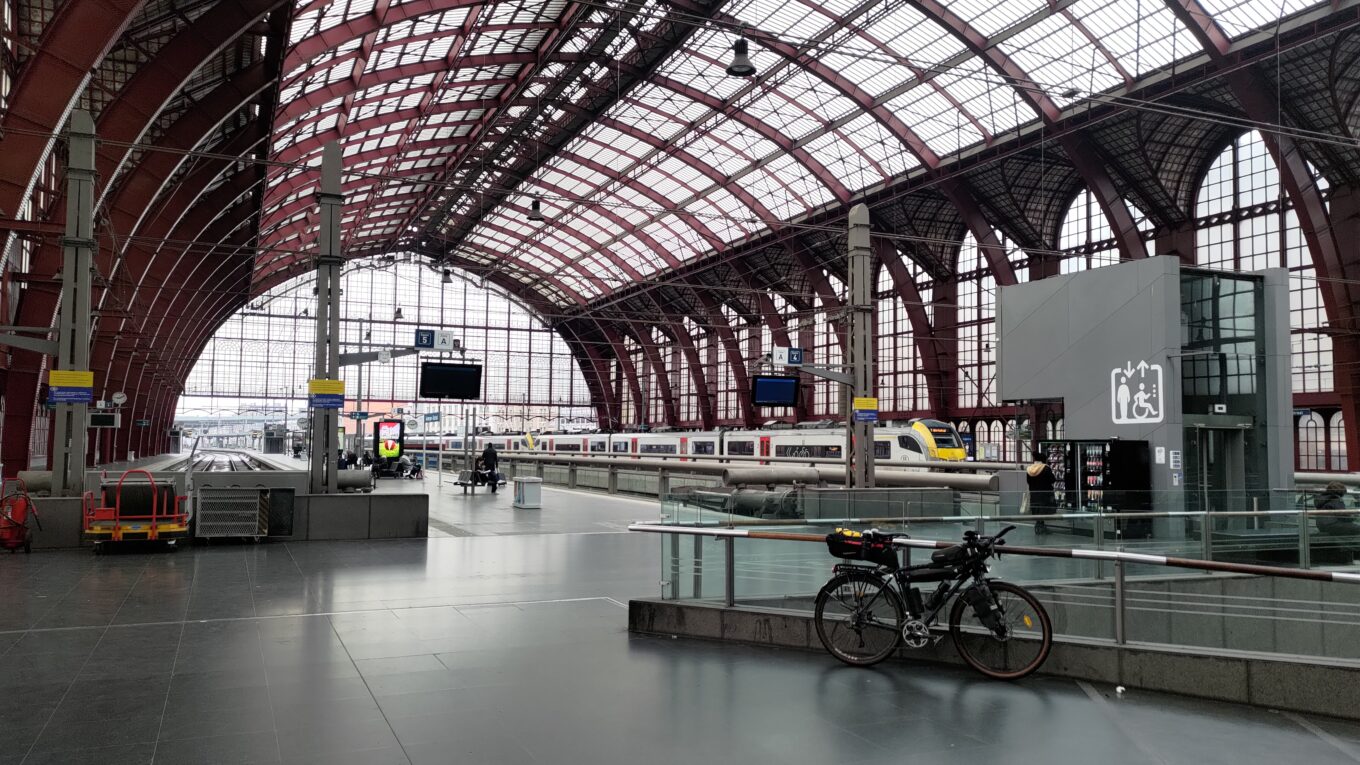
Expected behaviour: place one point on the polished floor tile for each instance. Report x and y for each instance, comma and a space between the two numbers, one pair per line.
505, 643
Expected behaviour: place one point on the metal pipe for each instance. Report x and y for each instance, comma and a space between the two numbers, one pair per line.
1119, 626
541, 454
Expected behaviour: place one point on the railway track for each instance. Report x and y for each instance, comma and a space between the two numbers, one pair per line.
222, 462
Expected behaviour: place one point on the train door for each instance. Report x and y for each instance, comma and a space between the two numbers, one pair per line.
765, 446
684, 448
585, 446
635, 447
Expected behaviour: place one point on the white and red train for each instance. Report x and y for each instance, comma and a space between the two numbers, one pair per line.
917, 441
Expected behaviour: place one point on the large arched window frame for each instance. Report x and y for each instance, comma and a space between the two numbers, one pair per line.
262, 357
976, 319
1245, 222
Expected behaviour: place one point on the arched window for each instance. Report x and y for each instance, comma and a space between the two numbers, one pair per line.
1312, 454
261, 358
1337, 431
901, 386
1247, 223
976, 320
1086, 239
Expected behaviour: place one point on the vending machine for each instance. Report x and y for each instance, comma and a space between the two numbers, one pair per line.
1111, 476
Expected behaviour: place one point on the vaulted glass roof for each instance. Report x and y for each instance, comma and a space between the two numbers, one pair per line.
617, 118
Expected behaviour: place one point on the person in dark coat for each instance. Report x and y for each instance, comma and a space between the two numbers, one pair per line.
1041, 480
490, 463
1333, 497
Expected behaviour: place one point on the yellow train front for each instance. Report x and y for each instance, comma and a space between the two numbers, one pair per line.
942, 440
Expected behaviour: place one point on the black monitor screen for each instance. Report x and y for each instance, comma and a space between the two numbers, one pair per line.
774, 390
450, 380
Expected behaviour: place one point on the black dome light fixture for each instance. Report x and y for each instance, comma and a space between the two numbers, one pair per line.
741, 65
448, 277
536, 211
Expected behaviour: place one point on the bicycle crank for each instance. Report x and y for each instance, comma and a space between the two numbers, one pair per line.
915, 634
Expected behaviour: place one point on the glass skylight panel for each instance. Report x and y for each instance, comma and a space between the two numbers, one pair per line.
727, 226
801, 191
683, 242
816, 95
1238, 17
867, 67
938, 122
910, 34
841, 158
990, 17
724, 158
875, 140
684, 173
789, 118
1058, 57
1142, 35
982, 93
790, 21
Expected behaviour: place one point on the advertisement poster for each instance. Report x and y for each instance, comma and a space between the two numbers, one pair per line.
389, 438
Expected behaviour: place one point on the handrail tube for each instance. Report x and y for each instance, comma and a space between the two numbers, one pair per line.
1043, 552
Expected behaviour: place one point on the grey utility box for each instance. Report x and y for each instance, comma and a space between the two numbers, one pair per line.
528, 493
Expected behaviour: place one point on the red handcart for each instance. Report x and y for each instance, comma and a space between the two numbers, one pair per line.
16, 508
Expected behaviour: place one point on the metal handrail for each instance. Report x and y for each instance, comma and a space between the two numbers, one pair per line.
1118, 557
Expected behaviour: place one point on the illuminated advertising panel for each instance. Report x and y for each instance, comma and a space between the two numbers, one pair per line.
387, 437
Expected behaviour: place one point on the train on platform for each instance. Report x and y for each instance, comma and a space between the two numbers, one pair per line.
916, 441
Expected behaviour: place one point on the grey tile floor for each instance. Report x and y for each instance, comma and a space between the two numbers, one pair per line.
509, 646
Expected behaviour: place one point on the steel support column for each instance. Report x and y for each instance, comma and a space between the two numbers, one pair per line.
860, 351
73, 339
328, 263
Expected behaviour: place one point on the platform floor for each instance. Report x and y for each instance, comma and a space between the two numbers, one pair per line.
505, 643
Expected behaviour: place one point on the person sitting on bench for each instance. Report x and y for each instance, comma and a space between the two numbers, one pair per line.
1333, 498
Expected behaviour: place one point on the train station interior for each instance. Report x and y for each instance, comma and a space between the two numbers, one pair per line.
489, 382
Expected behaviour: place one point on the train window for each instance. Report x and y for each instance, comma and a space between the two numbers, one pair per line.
599, 446
882, 450
455, 444
568, 447
657, 448
741, 448
944, 438
621, 446
809, 450
702, 447
909, 443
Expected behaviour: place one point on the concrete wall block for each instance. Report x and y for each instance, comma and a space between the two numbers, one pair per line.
786, 630
592, 478
1197, 620
556, 475
1292, 634
1206, 676
653, 617
62, 525
399, 516
337, 516
1327, 690
1084, 662
1146, 618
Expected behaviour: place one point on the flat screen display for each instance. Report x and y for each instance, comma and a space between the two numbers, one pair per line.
450, 380
774, 390
387, 438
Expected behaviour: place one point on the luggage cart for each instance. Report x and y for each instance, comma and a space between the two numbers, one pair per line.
135, 510
16, 507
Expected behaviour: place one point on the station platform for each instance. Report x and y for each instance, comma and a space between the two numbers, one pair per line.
504, 641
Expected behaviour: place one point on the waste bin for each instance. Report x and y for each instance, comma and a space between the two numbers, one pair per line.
528, 493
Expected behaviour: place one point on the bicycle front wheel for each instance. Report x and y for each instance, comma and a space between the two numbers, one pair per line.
859, 618
1010, 641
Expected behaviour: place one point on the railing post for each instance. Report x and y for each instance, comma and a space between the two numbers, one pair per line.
698, 567
1206, 536
663, 483
1305, 541
730, 575
613, 479
1098, 537
571, 475
675, 567
1120, 636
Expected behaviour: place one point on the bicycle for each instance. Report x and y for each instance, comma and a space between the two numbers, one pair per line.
862, 616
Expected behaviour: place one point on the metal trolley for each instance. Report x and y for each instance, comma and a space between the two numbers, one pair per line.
134, 510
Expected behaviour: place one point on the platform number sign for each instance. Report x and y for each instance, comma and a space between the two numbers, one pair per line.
788, 357
424, 338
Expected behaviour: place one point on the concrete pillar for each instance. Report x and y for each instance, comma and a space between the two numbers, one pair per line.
860, 309
69, 442
325, 442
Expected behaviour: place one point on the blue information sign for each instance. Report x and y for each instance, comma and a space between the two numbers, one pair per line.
432, 416
866, 415
70, 395
795, 357
358, 415
326, 400
424, 338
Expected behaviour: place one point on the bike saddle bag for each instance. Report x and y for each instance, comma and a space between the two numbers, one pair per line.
949, 555
852, 545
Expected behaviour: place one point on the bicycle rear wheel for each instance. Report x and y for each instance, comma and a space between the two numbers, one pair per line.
858, 618
1025, 639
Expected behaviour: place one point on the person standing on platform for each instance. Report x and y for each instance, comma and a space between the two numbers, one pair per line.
1041, 480
490, 463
